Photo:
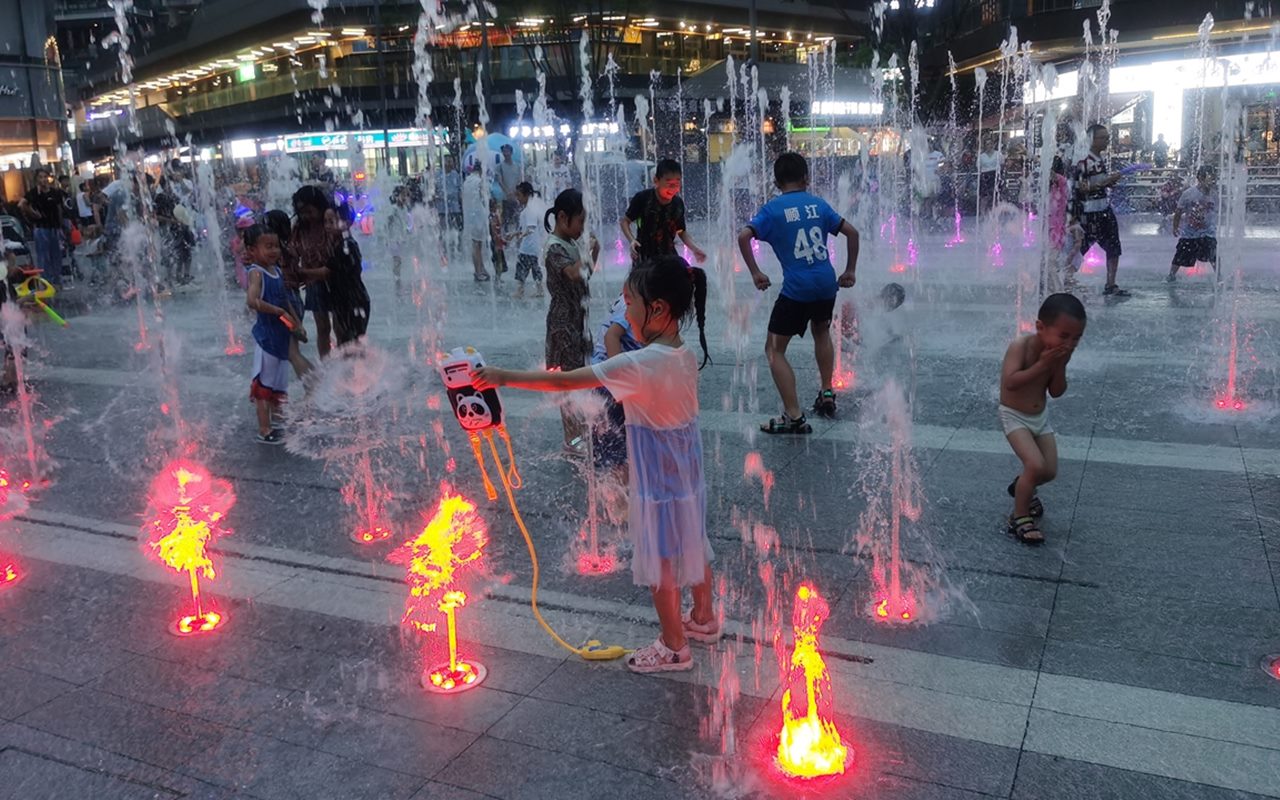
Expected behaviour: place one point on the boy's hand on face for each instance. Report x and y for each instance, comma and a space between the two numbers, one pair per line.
761, 280
1058, 356
1050, 356
487, 378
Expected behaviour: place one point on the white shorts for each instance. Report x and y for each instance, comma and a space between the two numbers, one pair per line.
1013, 419
272, 373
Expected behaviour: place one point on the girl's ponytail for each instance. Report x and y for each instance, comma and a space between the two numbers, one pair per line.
699, 277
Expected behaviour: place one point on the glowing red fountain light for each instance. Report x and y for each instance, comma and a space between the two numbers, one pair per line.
454, 537
593, 564
1271, 665
187, 506
234, 346
898, 267
753, 467
1229, 403
13, 501
809, 745
903, 609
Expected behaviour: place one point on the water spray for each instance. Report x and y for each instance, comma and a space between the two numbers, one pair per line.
480, 413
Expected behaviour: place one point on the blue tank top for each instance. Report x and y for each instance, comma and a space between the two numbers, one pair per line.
269, 332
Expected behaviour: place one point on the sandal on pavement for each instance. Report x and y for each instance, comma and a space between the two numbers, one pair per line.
482, 277
1115, 291
1025, 530
825, 405
1037, 508
657, 657
784, 424
705, 632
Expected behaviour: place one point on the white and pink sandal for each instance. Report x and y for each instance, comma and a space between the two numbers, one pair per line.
657, 657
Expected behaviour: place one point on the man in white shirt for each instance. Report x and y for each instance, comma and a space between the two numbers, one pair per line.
1093, 187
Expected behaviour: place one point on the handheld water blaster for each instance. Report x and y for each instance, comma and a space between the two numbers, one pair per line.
36, 289
480, 414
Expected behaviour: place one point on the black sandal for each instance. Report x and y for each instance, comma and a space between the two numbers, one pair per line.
482, 277
1037, 508
1025, 530
785, 424
825, 405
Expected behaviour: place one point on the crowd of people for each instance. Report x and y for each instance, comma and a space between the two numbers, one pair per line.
303, 259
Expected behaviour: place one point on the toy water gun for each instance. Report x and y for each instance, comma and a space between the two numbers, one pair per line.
37, 289
1132, 168
480, 414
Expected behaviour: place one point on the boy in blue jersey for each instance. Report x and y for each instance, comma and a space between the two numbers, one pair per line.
796, 225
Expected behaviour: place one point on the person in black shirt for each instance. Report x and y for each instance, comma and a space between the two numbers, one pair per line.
658, 214
43, 206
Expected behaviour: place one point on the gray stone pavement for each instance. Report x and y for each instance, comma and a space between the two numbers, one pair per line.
1121, 660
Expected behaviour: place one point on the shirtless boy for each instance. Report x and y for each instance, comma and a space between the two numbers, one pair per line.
1034, 365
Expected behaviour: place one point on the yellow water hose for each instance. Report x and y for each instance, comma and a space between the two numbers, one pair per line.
592, 650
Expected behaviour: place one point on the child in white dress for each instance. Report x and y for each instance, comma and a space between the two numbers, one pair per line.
658, 384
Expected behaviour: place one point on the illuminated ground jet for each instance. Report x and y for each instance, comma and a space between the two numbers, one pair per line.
809, 744
453, 538
479, 413
186, 506
13, 501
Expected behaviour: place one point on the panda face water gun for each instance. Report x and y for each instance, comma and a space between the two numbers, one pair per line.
479, 413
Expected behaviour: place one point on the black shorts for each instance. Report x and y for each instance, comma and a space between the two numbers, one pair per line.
1189, 251
1101, 227
792, 317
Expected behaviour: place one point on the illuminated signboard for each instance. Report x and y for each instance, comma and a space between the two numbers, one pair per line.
339, 140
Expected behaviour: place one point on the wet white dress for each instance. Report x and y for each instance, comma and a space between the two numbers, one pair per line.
658, 385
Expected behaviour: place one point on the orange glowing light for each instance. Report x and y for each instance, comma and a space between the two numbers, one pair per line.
809, 744
187, 506
898, 268
375, 534
13, 501
9, 574
454, 537
903, 609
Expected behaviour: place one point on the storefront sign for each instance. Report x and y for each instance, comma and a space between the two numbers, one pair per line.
339, 140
